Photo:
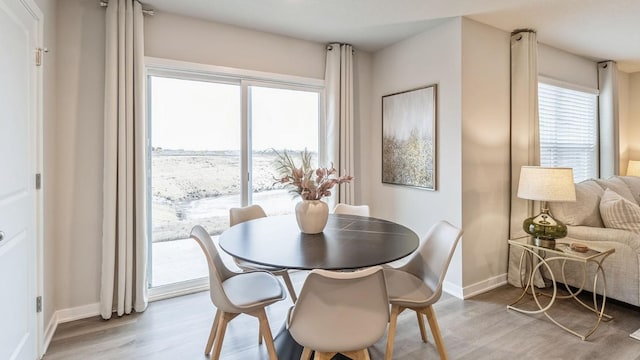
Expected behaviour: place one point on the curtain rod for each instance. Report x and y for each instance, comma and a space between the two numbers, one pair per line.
150, 12
330, 46
518, 31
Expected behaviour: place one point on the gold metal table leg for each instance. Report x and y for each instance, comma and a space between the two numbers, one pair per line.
531, 271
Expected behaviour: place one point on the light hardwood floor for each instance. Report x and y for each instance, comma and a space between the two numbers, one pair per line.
474, 329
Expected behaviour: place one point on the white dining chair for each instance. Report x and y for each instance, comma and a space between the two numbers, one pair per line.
417, 284
340, 312
242, 214
345, 209
236, 293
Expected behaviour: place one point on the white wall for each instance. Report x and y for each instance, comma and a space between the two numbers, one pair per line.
75, 210
633, 124
624, 124
470, 63
189, 39
485, 154
432, 57
77, 188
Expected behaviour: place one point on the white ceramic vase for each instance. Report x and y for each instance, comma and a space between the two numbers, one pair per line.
312, 216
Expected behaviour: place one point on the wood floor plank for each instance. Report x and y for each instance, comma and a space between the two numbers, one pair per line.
474, 329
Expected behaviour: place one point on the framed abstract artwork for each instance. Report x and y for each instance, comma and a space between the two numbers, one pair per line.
409, 138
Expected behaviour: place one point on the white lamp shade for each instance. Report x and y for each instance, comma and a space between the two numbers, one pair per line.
546, 184
634, 168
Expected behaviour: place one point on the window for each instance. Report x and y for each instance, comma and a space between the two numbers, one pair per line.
189, 131
280, 119
568, 128
211, 141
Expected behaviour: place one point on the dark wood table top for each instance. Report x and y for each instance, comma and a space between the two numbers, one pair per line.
347, 242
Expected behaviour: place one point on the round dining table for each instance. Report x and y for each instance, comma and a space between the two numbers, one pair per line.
347, 242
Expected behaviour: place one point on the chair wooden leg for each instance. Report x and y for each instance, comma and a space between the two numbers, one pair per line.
306, 354
222, 328
259, 333
358, 354
395, 311
289, 284
435, 330
323, 355
212, 334
266, 333
423, 331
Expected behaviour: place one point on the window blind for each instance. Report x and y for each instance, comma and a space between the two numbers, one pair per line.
568, 130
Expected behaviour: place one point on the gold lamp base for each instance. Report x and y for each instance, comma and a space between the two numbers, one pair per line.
545, 243
544, 229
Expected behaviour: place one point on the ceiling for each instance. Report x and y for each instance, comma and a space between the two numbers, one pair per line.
601, 30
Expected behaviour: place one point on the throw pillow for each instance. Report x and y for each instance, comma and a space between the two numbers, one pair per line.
616, 184
619, 213
633, 182
582, 212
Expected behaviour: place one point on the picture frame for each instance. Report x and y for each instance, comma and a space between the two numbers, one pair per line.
409, 138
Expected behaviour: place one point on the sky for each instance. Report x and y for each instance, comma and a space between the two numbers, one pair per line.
199, 115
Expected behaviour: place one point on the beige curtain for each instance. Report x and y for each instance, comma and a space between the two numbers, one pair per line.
124, 238
525, 137
525, 142
608, 118
340, 116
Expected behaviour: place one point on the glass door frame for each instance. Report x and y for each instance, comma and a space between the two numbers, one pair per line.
247, 195
245, 79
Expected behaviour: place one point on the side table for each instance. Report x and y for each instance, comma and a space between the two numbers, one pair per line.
534, 257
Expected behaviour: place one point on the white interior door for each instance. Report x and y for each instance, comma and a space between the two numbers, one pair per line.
18, 163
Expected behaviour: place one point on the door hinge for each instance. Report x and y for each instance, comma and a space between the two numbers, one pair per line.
38, 181
39, 304
38, 56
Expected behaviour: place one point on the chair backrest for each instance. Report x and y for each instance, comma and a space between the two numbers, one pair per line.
341, 311
360, 210
239, 215
431, 260
218, 272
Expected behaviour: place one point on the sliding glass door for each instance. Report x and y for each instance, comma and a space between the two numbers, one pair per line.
282, 119
212, 144
195, 170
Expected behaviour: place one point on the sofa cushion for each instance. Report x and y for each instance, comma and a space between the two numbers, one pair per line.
619, 213
633, 182
585, 210
618, 185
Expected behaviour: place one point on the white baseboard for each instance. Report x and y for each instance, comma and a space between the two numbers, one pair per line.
78, 312
485, 285
49, 331
66, 315
453, 289
474, 289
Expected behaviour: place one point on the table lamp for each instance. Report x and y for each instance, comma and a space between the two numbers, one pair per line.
634, 168
546, 184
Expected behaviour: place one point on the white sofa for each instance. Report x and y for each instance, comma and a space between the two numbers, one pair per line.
585, 224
